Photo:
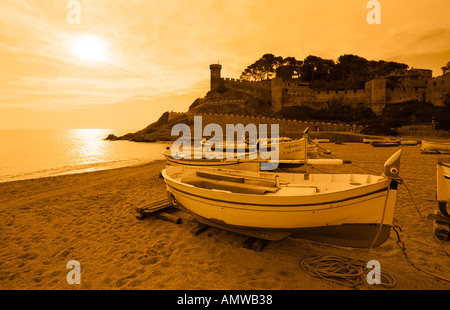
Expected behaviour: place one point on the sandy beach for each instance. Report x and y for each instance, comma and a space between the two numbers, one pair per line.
90, 217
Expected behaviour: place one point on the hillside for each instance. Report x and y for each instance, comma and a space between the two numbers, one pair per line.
228, 101
253, 99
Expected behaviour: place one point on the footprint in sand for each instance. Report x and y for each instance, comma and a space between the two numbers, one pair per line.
28, 255
123, 281
148, 260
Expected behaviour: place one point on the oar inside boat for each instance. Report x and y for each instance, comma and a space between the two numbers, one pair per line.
231, 183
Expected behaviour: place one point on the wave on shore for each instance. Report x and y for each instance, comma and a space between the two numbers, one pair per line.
73, 169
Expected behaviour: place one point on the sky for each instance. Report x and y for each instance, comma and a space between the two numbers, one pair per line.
127, 62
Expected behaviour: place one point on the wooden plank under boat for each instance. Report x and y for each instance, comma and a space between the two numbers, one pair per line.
353, 210
429, 147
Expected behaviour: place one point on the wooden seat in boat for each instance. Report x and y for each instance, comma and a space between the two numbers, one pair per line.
234, 184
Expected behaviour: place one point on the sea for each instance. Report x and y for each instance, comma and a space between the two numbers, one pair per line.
29, 154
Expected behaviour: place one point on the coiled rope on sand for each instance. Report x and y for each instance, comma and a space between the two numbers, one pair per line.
342, 270
351, 273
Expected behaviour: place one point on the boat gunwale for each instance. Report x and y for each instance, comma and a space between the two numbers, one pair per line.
321, 196
290, 206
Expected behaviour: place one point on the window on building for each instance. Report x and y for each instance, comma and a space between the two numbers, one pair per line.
434, 83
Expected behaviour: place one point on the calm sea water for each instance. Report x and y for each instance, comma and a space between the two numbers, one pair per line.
26, 154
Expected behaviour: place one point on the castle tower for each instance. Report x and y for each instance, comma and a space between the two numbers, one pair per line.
378, 94
276, 88
216, 81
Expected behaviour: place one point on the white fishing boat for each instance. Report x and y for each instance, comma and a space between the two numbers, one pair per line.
293, 148
385, 142
368, 140
409, 142
247, 161
346, 209
230, 163
443, 186
321, 140
429, 147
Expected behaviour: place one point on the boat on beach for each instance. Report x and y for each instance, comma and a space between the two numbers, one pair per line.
293, 148
409, 142
429, 147
353, 210
385, 143
291, 155
230, 163
321, 140
443, 186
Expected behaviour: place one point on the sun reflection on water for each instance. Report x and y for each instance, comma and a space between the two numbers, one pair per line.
90, 146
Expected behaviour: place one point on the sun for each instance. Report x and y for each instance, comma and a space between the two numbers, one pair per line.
89, 47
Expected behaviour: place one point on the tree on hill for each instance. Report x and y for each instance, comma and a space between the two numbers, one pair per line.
446, 68
263, 68
316, 68
349, 72
354, 67
289, 68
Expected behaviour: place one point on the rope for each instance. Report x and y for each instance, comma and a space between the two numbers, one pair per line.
352, 273
342, 270
403, 248
425, 222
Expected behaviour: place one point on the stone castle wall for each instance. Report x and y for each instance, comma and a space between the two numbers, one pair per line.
287, 127
259, 90
414, 84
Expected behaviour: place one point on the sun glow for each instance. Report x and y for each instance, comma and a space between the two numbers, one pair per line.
89, 47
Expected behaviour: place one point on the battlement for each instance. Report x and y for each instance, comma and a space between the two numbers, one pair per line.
399, 86
288, 127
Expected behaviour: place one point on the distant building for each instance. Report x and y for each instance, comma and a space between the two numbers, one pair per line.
399, 86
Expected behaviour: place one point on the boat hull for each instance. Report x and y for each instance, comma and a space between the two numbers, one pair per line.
409, 142
214, 163
384, 143
352, 217
443, 182
429, 147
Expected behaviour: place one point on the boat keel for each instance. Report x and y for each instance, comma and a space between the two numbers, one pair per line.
349, 235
